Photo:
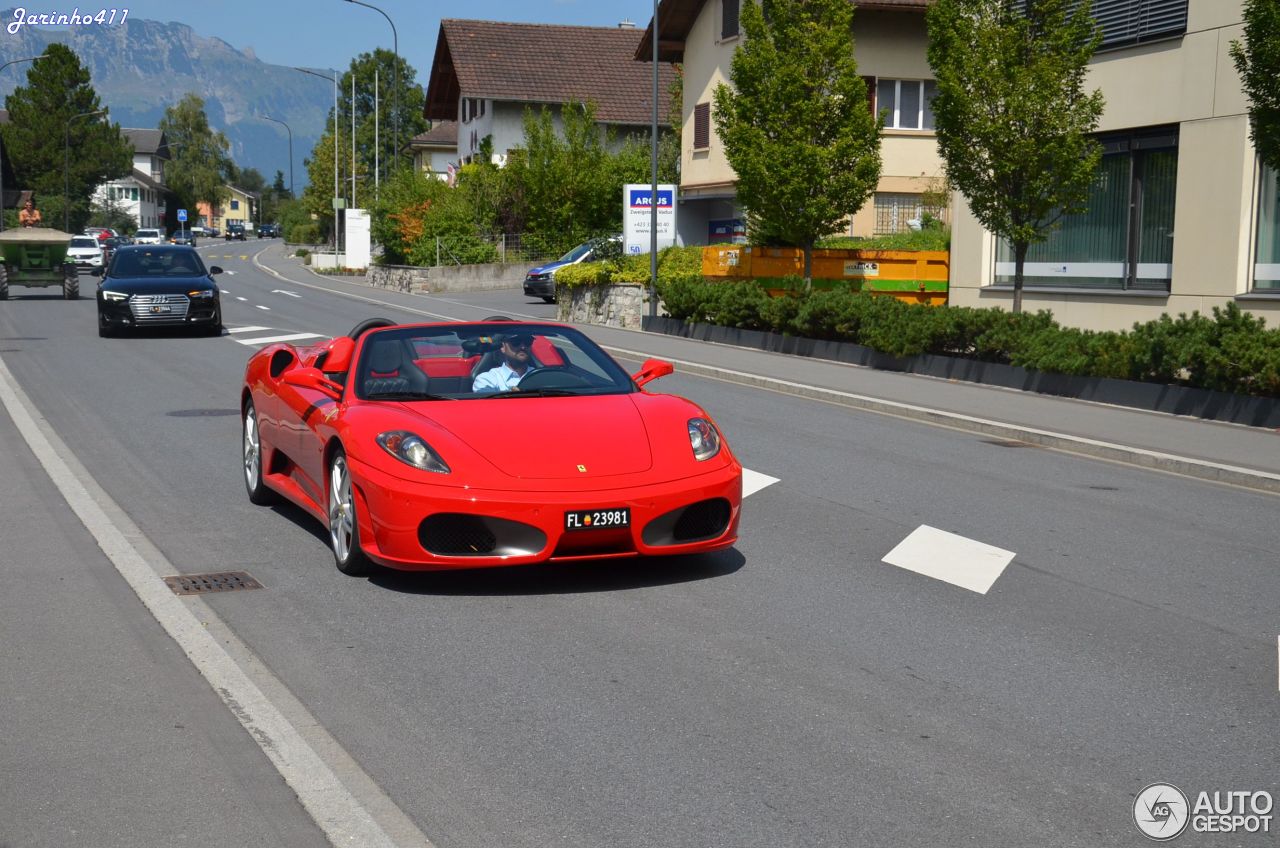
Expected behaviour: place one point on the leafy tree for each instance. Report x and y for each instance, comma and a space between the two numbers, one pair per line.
105, 212
42, 116
277, 185
201, 167
795, 126
1012, 117
412, 122
1257, 60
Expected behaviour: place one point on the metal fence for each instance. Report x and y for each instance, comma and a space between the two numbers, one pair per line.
494, 247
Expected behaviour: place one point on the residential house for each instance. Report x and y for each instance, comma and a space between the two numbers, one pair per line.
239, 206
435, 150
1183, 217
889, 45
487, 73
141, 193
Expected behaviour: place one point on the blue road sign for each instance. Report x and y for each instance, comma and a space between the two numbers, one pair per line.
182, 214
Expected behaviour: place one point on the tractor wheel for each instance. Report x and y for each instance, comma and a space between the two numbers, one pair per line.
70, 282
4, 281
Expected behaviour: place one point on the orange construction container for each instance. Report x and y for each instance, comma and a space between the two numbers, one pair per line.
917, 276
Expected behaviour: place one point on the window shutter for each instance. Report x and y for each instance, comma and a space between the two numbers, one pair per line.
702, 126
729, 19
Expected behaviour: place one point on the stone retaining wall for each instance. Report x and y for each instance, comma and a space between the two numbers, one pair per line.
447, 278
621, 306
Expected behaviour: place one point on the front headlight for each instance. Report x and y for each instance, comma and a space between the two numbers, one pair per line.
703, 438
412, 449
113, 295
205, 294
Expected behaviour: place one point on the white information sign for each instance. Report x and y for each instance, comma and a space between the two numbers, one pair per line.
357, 238
636, 216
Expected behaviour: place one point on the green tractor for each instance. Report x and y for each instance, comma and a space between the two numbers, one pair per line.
37, 257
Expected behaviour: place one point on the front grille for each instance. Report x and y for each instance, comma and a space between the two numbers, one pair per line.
454, 534
159, 307
702, 520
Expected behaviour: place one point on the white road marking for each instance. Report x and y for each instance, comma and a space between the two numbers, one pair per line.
246, 329
242, 299
290, 337
282, 291
232, 273
260, 306
754, 481
953, 559
343, 818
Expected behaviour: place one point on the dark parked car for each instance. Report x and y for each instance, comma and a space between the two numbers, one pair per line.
158, 286
269, 231
186, 237
235, 231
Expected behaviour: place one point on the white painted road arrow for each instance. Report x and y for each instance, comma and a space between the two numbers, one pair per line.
953, 559
282, 291
754, 481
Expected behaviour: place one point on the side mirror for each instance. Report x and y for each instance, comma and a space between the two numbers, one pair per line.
652, 370
313, 378
214, 269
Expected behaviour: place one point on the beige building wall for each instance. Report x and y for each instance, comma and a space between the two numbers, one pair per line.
887, 45
1191, 83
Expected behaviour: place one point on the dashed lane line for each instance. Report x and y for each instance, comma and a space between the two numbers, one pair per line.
246, 329
260, 306
288, 337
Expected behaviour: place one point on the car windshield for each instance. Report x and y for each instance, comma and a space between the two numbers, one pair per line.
483, 362
578, 252
84, 241
156, 263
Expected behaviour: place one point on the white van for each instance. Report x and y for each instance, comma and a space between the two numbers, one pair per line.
148, 237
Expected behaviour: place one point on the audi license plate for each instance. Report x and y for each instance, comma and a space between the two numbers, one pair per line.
597, 519
155, 310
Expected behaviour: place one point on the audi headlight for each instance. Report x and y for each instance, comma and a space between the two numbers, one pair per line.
703, 438
203, 295
114, 295
412, 449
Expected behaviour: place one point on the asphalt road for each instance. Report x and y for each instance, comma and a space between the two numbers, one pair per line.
794, 691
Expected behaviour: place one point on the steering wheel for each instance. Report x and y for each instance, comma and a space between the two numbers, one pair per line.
369, 324
553, 377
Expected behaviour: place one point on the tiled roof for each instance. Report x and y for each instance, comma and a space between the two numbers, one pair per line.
676, 18
143, 140
443, 134
545, 63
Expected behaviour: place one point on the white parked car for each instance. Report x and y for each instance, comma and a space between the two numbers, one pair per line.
148, 237
85, 252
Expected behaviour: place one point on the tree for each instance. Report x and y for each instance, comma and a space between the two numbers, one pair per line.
42, 116
384, 62
1012, 117
1257, 60
200, 168
795, 126
105, 211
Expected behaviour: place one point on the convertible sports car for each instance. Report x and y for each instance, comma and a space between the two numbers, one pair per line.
462, 445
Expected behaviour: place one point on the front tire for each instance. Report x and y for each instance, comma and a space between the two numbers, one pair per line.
344, 527
549, 299
252, 444
70, 282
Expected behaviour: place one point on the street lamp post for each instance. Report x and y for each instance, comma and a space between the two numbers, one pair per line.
66, 168
286, 126
395, 81
653, 173
336, 245
2, 67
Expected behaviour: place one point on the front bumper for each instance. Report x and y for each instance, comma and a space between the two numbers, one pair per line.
133, 313
421, 527
536, 287
86, 261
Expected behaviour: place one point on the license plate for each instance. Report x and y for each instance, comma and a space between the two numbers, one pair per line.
160, 309
597, 519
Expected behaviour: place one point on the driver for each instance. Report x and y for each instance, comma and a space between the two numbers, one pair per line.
516, 362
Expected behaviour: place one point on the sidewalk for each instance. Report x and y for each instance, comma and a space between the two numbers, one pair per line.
1230, 453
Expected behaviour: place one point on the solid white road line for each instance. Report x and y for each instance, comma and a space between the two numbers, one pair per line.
754, 481
335, 810
246, 329
953, 559
291, 337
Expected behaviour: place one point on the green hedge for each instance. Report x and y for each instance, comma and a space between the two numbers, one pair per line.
1231, 351
674, 264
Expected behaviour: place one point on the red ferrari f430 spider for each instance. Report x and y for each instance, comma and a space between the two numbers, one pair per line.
461, 445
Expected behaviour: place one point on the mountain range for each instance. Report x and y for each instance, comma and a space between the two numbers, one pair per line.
143, 66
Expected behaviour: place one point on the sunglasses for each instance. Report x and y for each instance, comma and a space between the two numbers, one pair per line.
519, 342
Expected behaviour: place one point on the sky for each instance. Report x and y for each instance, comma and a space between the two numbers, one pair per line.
330, 33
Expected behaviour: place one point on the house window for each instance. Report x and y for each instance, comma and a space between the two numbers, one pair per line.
133, 193
1133, 21
900, 212
235, 204
1266, 270
729, 18
702, 126
906, 104
1125, 238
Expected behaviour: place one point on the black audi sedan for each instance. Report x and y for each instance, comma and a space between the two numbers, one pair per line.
158, 286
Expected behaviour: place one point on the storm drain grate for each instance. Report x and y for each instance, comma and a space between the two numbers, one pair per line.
202, 584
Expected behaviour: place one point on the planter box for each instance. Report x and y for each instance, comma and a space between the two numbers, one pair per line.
1178, 400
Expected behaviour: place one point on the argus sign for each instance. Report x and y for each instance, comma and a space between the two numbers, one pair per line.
636, 216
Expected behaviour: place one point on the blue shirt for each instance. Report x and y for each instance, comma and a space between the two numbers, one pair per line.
500, 379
